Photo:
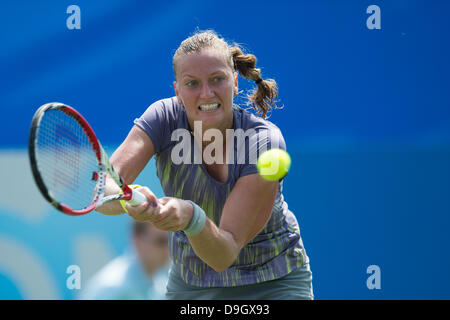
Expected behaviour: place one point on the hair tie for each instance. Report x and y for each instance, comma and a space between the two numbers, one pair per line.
258, 81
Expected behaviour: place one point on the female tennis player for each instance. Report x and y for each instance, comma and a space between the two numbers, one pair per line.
232, 235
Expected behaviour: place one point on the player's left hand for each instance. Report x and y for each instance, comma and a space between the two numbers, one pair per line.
170, 214
174, 214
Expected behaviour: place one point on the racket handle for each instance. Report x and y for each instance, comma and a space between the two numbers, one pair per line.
137, 198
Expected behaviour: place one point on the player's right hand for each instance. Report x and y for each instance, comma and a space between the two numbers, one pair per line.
145, 211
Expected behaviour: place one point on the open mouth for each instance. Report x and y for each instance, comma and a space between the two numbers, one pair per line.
209, 107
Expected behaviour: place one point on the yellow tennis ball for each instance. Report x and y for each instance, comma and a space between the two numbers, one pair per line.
273, 164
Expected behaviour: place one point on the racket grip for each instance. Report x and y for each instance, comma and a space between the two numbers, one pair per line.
137, 198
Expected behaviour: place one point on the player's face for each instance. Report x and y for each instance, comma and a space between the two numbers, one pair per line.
206, 86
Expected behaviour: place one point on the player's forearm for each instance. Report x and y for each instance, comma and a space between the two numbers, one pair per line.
112, 207
215, 246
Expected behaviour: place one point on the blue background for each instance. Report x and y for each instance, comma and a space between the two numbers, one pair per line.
366, 121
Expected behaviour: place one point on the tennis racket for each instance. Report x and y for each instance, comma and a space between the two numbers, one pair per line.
69, 164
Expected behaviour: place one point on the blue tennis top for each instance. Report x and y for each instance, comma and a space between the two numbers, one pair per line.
276, 250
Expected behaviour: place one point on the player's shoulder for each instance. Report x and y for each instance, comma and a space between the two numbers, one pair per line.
167, 110
167, 104
247, 120
257, 127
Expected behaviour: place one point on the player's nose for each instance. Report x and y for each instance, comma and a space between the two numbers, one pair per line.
206, 91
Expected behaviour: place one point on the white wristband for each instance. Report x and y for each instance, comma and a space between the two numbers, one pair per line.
197, 222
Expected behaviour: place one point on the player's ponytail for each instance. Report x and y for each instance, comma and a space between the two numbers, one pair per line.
263, 98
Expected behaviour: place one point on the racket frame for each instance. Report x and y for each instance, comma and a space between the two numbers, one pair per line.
104, 165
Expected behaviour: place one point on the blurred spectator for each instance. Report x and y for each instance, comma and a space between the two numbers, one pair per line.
137, 275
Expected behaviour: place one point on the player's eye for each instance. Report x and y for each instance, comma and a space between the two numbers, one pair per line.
191, 83
218, 79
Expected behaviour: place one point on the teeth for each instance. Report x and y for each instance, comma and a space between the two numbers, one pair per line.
209, 106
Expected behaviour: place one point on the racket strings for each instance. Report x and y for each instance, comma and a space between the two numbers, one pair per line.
66, 160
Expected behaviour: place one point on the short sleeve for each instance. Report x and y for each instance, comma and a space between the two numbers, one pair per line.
262, 140
155, 122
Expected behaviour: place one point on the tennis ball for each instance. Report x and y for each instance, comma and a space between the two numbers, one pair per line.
273, 164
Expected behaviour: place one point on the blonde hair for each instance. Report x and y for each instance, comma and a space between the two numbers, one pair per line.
263, 98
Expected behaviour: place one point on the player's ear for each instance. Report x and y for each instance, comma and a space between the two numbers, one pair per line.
176, 92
